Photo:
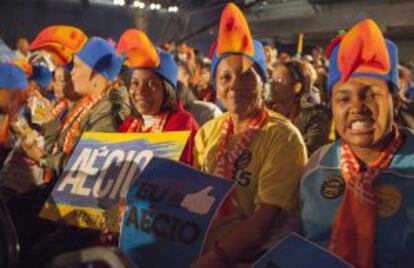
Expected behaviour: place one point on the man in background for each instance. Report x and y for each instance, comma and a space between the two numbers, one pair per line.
22, 49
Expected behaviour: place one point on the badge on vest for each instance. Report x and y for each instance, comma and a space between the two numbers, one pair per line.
389, 200
333, 187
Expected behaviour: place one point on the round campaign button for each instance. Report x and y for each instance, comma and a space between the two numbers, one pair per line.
333, 187
389, 200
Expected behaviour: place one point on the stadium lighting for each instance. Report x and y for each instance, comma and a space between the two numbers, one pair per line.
173, 9
119, 2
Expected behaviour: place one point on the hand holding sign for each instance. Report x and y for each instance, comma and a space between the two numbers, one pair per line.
199, 202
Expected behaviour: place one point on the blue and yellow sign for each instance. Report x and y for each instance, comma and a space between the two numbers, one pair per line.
170, 209
100, 172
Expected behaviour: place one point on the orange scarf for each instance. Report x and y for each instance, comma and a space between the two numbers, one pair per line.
227, 159
353, 231
4, 130
60, 107
137, 125
74, 119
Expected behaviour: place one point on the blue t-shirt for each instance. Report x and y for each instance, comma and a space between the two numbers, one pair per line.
323, 187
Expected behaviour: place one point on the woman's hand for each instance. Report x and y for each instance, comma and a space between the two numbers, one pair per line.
31, 149
48, 107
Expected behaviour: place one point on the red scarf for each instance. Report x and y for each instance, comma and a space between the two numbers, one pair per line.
227, 159
353, 231
137, 125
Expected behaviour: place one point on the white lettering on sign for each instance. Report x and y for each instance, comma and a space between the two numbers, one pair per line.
80, 170
131, 162
98, 192
122, 174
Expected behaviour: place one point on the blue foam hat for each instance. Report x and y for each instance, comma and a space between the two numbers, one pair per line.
168, 68
101, 57
258, 58
12, 77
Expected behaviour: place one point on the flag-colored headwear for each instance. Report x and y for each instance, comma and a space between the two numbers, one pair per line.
42, 75
60, 41
141, 54
234, 38
14, 75
101, 57
43, 66
363, 51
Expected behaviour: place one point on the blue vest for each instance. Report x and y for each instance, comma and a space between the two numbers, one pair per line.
322, 190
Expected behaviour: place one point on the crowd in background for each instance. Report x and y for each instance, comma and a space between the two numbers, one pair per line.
273, 110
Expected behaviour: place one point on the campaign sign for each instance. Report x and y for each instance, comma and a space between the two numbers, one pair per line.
297, 252
99, 173
170, 208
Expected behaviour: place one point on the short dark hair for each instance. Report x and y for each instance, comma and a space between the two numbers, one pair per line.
298, 72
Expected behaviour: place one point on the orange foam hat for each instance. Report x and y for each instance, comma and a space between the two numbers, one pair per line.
234, 34
60, 41
363, 50
138, 49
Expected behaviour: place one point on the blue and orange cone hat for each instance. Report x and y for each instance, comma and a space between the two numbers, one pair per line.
141, 54
13, 76
234, 37
362, 51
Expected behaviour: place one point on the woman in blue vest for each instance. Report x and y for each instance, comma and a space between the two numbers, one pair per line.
358, 193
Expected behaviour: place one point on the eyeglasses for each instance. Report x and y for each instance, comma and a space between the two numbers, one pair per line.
280, 80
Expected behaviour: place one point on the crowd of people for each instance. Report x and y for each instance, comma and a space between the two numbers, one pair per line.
317, 144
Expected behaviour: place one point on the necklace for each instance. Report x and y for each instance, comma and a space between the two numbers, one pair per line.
137, 124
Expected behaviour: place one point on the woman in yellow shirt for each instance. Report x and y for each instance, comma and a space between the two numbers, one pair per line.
259, 149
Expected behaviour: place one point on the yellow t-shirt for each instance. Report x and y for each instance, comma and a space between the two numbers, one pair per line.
268, 172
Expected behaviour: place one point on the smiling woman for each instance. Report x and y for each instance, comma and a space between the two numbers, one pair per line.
363, 113
257, 148
239, 85
152, 85
359, 188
